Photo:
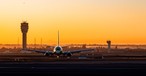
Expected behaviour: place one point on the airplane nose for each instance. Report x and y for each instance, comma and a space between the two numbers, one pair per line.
57, 51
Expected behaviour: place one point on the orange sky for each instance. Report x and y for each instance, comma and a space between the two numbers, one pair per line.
79, 21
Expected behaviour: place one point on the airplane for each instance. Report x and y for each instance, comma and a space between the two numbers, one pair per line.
58, 51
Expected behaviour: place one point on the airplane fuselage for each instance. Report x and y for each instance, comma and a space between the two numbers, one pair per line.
58, 50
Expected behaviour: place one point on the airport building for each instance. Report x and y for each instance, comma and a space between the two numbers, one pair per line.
24, 30
109, 44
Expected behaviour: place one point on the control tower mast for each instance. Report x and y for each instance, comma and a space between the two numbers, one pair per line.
24, 30
109, 44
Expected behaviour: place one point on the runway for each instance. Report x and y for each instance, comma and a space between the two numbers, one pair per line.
41, 65
74, 68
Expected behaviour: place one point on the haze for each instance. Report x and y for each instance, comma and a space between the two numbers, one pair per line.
79, 21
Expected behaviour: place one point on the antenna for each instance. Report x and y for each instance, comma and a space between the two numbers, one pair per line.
34, 43
58, 37
41, 42
18, 43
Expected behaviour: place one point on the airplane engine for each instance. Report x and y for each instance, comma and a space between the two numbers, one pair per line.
69, 54
47, 54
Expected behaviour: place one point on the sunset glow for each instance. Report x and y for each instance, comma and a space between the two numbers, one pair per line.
79, 21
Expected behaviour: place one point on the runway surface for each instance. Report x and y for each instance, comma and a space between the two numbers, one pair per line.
32, 65
74, 68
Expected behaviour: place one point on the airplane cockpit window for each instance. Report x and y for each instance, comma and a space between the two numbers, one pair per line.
58, 48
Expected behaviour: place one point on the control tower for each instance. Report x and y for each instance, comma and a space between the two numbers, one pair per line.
24, 30
109, 44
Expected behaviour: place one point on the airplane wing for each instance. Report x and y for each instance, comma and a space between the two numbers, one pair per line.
40, 51
82, 50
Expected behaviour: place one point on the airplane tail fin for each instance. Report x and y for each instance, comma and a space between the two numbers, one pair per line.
58, 37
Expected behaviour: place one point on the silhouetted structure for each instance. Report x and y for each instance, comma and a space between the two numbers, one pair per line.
84, 46
109, 44
24, 30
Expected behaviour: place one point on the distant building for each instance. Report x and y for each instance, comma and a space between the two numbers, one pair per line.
109, 44
24, 30
84, 46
